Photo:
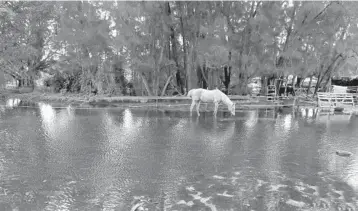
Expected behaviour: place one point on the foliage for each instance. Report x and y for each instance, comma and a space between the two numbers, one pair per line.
90, 46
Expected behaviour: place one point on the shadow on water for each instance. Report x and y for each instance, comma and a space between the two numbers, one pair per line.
96, 159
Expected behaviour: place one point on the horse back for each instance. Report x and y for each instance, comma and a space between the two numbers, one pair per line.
195, 93
206, 95
210, 95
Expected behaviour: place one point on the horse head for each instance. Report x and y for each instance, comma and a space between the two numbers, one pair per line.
190, 93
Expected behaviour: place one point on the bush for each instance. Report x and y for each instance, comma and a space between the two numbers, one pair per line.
57, 82
48, 82
76, 82
72, 83
64, 83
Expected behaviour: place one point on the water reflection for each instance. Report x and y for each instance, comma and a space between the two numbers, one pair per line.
70, 111
60, 132
2, 108
121, 133
309, 114
287, 122
283, 126
252, 118
13, 102
219, 141
103, 159
55, 123
352, 171
48, 115
342, 119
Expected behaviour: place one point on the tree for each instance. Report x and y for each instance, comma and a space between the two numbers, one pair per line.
91, 46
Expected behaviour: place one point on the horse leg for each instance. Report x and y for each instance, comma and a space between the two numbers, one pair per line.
191, 107
197, 108
216, 108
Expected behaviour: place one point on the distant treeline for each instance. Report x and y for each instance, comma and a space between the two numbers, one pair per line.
345, 82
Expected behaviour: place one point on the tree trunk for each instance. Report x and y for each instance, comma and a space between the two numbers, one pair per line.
318, 83
290, 28
246, 41
286, 85
174, 49
202, 79
157, 72
205, 76
298, 82
263, 85
199, 74
278, 84
191, 68
193, 57
227, 74
309, 85
146, 85
327, 83
186, 69
293, 84
246, 82
328, 72
166, 85
293, 81
141, 84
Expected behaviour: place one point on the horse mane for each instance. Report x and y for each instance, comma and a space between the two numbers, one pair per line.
224, 97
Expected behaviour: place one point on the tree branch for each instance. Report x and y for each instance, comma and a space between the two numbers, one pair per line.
255, 12
11, 74
322, 11
203, 74
313, 19
166, 85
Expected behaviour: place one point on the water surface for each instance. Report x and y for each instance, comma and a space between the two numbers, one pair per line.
110, 159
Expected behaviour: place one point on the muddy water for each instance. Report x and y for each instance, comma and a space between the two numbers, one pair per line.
111, 159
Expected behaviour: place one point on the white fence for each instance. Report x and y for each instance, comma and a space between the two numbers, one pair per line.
333, 100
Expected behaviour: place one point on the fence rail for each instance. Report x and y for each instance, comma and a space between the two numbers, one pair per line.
333, 100
271, 93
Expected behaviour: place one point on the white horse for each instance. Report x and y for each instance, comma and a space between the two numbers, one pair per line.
216, 96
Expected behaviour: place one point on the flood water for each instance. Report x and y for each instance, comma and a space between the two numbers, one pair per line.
111, 159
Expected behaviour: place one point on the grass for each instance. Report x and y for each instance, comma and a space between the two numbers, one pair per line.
169, 103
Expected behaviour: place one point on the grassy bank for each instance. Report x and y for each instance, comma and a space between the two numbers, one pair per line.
35, 97
169, 103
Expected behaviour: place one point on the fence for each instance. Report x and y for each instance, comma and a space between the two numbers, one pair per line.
271, 93
333, 100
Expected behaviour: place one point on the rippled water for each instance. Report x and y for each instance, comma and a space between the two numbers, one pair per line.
111, 159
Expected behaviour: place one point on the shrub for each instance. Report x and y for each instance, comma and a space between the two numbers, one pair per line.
57, 82
64, 82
